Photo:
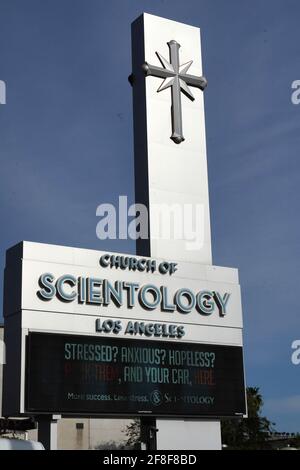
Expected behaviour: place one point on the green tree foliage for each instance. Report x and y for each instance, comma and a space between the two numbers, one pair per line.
251, 432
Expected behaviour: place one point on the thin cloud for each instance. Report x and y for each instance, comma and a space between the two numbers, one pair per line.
284, 405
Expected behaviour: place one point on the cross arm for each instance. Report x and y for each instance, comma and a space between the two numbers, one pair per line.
194, 81
152, 70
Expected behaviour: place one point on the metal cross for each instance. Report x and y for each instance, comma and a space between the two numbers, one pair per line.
175, 76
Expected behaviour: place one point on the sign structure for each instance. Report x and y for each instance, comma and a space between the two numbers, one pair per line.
170, 172
106, 334
118, 302
124, 377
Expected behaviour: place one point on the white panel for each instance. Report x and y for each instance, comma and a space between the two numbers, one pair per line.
85, 325
188, 435
86, 257
32, 270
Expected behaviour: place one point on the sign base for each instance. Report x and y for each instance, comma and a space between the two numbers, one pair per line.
188, 435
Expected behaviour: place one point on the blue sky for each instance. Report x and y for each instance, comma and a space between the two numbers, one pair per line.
66, 145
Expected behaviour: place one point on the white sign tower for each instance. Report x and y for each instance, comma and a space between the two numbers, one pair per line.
171, 167
169, 133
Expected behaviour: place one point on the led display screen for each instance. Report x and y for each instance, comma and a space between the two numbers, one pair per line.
70, 374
